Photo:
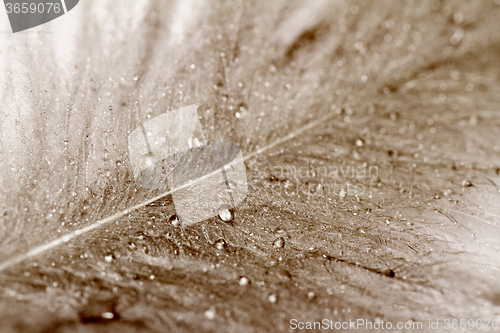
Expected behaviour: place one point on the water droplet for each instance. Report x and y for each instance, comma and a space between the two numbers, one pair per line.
359, 143
466, 183
389, 273
272, 298
244, 281
220, 244
210, 313
99, 311
109, 258
175, 220
226, 213
310, 294
108, 315
457, 36
279, 243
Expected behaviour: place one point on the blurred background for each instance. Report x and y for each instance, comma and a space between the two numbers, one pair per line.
410, 87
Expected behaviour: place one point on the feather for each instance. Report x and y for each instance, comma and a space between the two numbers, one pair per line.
358, 123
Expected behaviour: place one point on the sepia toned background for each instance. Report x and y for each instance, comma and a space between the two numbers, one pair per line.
410, 87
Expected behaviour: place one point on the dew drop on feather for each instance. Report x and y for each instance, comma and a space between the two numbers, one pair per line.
220, 244
210, 314
226, 213
243, 281
175, 220
279, 243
